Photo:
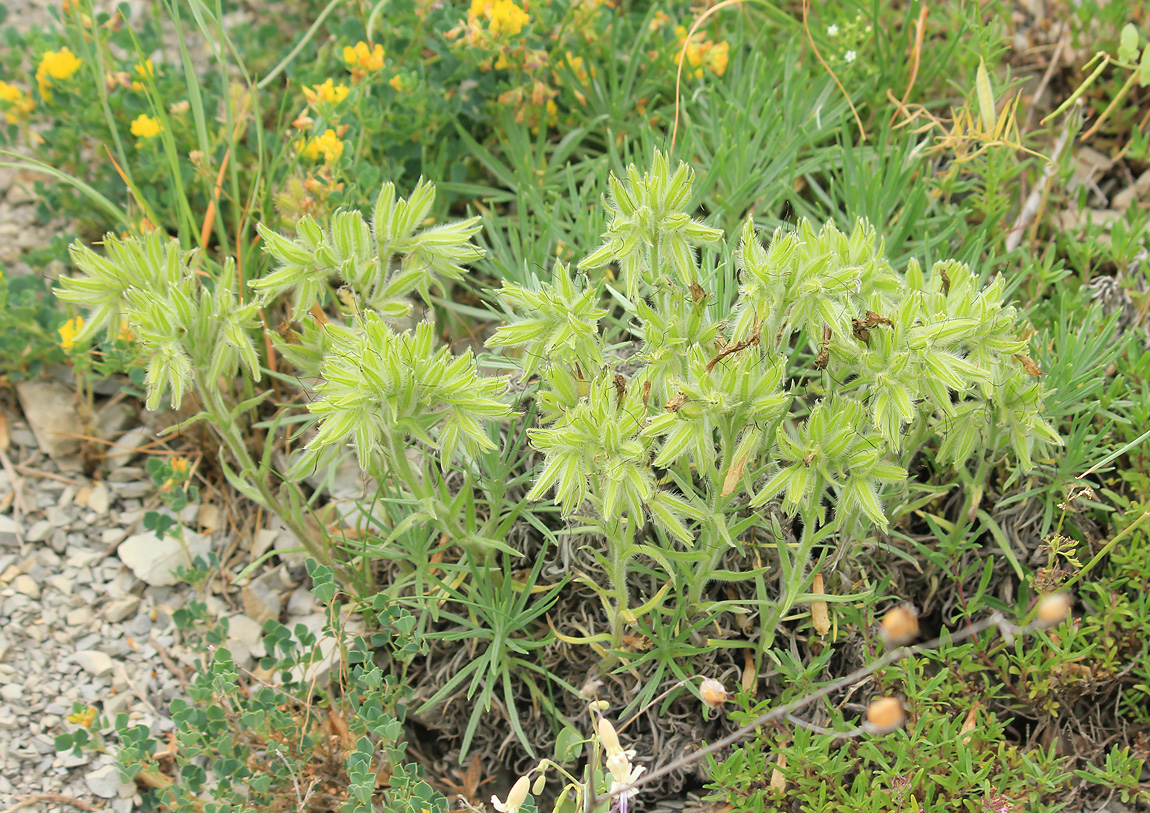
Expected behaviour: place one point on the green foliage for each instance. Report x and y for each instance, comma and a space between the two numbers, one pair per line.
498, 618
29, 319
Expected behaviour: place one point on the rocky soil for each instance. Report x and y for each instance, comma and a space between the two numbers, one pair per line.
87, 596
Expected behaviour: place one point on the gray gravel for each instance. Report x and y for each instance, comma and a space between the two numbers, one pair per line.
76, 626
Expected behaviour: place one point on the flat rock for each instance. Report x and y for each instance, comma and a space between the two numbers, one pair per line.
248, 632
94, 662
99, 500
50, 409
209, 518
39, 531
261, 598
153, 559
119, 609
121, 452
9, 532
25, 585
104, 782
115, 418
79, 617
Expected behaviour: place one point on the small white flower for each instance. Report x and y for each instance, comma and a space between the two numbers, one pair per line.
633, 774
832, 30
849, 56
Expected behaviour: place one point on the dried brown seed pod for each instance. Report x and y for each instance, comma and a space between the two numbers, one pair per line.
820, 615
778, 781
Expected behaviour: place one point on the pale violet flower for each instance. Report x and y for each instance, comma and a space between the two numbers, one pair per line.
832, 30
849, 56
623, 773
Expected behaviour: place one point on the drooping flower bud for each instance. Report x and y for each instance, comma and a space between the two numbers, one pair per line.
1053, 609
713, 693
515, 798
885, 714
608, 737
899, 626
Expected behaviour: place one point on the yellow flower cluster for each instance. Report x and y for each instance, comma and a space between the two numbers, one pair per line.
702, 53
328, 93
503, 16
327, 145
85, 717
68, 332
55, 65
15, 104
363, 58
146, 127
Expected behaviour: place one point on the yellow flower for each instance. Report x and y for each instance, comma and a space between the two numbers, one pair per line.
55, 65
503, 16
68, 332
328, 145
328, 92
363, 57
146, 127
125, 333
576, 63
180, 465
59, 64
15, 104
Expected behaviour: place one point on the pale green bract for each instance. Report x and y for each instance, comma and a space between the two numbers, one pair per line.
187, 328
382, 388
